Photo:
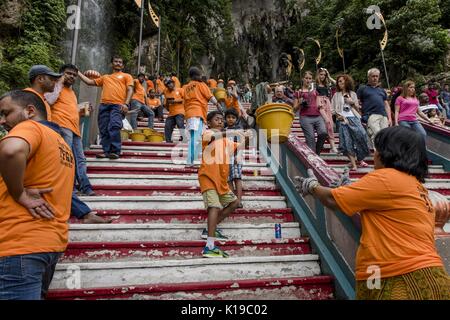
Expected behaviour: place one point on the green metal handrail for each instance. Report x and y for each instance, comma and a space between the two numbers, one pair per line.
295, 155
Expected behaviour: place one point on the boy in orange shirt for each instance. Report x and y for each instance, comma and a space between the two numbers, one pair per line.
213, 174
175, 105
196, 98
116, 97
36, 183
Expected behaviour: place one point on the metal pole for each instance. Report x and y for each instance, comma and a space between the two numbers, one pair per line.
343, 62
385, 70
140, 36
158, 69
76, 33
178, 61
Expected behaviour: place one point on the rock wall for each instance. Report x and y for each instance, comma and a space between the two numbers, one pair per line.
260, 28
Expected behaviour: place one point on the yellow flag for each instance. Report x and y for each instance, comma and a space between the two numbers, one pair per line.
153, 15
139, 3
319, 57
384, 41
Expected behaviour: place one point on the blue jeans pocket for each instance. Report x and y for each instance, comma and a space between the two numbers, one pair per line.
11, 268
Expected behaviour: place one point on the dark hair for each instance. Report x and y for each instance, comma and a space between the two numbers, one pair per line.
403, 149
141, 74
231, 111
212, 114
195, 74
173, 74
117, 57
24, 98
68, 66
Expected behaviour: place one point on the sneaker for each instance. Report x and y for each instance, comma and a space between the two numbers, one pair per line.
214, 253
90, 193
114, 156
218, 235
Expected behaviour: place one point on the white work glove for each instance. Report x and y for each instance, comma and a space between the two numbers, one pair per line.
306, 185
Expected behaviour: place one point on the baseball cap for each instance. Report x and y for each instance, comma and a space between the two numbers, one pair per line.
40, 69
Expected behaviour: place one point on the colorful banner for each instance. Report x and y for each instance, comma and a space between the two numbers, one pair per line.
153, 15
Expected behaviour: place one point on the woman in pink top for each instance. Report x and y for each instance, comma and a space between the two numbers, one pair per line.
311, 119
407, 109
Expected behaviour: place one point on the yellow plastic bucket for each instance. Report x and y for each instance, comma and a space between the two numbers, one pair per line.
274, 117
137, 137
148, 132
220, 94
137, 131
156, 137
124, 135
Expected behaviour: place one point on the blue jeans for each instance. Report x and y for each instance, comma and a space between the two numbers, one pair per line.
109, 125
28, 276
416, 126
171, 122
136, 105
76, 145
78, 208
195, 143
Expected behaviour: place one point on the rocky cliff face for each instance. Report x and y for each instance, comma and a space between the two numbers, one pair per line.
10, 13
260, 28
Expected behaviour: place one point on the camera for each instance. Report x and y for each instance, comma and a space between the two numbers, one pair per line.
304, 104
346, 108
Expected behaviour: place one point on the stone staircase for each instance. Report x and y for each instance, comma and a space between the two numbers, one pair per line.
152, 250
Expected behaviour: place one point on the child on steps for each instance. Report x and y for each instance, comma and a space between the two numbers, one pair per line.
213, 174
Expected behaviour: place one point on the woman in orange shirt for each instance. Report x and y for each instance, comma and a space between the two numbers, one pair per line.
397, 219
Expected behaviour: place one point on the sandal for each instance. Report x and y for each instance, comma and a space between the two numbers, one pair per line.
362, 164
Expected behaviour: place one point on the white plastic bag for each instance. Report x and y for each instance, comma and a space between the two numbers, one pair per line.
126, 125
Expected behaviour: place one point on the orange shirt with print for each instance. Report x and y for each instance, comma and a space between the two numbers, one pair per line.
176, 108
139, 92
115, 87
215, 168
232, 102
50, 164
47, 106
153, 103
176, 82
65, 111
397, 223
212, 83
196, 98
161, 87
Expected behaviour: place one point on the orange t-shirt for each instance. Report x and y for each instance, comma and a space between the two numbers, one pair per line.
150, 85
161, 87
153, 103
47, 106
50, 165
177, 108
139, 92
215, 168
232, 102
115, 87
212, 83
65, 111
397, 223
196, 98
177, 82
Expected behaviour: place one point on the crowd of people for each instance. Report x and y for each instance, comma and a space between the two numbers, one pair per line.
44, 168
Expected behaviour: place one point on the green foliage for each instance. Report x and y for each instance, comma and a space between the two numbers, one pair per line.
417, 41
42, 22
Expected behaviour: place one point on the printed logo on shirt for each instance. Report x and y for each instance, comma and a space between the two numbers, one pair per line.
65, 155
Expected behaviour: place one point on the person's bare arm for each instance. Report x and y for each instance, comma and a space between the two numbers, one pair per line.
14, 154
423, 116
130, 92
326, 197
86, 80
397, 112
388, 112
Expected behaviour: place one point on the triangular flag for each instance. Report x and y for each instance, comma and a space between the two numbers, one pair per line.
153, 15
139, 3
